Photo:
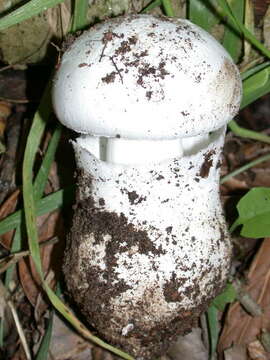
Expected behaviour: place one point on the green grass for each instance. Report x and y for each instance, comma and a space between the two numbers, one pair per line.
26, 11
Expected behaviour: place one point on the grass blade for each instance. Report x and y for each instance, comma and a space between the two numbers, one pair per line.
39, 186
67, 314
213, 327
32, 144
232, 40
245, 167
246, 133
16, 246
203, 13
47, 204
43, 350
254, 70
80, 15
168, 8
42, 176
151, 6
240, 27
256, 86
24, 12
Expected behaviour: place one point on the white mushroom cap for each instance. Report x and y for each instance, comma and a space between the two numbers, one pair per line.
145, 77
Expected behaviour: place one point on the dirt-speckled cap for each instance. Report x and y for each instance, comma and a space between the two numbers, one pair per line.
141, 76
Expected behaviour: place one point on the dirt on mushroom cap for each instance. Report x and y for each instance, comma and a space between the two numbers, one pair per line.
159, 68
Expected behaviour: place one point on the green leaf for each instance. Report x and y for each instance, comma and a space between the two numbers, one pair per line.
254, 213
26, 11
226, 297
203, 13
232, 40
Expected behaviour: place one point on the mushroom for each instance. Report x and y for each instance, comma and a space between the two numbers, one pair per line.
149, 248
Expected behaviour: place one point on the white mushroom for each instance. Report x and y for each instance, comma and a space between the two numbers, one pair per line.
149, 248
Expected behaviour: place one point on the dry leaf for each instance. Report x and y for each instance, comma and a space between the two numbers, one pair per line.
266, 28
237, 352
67, 344
100, 354
257, 352
59, 18
189, 347
240, 327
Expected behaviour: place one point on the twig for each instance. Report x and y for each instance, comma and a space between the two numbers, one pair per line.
245, 167
20, 330
16, 101
9, 260
116, 68
6, 296
7, 67
102, 52
248, 303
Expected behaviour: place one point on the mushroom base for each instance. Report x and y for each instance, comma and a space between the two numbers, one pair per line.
138, 328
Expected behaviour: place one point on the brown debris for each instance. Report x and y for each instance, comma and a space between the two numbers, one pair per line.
207, 164
109, 78
83, 65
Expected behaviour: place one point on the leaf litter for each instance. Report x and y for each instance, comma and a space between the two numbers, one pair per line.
240, 327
